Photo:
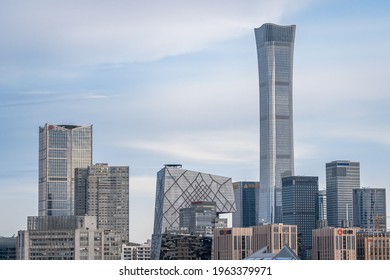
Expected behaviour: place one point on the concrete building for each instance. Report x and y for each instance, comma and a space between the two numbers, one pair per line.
103, 191
177, 188
240, 243
275, 49
233, 243
369, 208
61, 238
246, 195
373, 245
300, 207
62, 148
275, 237
342, 176
334, 244
135, 251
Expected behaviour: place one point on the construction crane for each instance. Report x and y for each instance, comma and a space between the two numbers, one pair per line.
376, 219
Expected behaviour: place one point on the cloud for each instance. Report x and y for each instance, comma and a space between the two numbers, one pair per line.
90, 32
222, 147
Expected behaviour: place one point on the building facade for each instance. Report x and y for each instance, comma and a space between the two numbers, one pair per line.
275, 49
62, 148
61, 238
373, 245
342, 176
7, 248
199, 218
334, 244
177, 188
369, 208
233, 243
274, 237
135, 251
103, 191
300, 207
322, 217
246, 195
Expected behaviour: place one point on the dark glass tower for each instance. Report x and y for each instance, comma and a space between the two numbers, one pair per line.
300, 208
275, 49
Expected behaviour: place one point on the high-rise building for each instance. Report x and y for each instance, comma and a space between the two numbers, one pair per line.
62, 148
322, 218
177, 188
275, 48
246, 195
103, 191
300, 207
342, 176
369, 208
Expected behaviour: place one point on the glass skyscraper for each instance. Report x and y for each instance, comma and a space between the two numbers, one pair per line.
300, 207
275, 48
246, 197
342, 176
369, 208
62, 148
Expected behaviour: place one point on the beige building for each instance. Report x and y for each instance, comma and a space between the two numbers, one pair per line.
239, 243
334, 244
232, 243
275, 237
373, 245
135, 251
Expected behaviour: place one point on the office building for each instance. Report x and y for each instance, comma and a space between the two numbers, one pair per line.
334, 244
61, 238
177, 188
62, 148
182, 246
342, 176
373, 245
369, 208
322, 218
233, 243
199, 218
103, 191
274, 237
7, 248
275, 49
246, 195
136, 251
300, 207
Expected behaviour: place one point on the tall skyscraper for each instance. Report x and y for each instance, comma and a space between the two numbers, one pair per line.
342, 176
300, 207
369, 208
275, 48
62, 148
103, 191
246, 195
177, 188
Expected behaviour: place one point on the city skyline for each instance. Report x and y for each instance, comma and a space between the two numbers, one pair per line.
162, 84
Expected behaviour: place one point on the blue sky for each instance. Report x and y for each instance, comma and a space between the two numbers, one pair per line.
176, 82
